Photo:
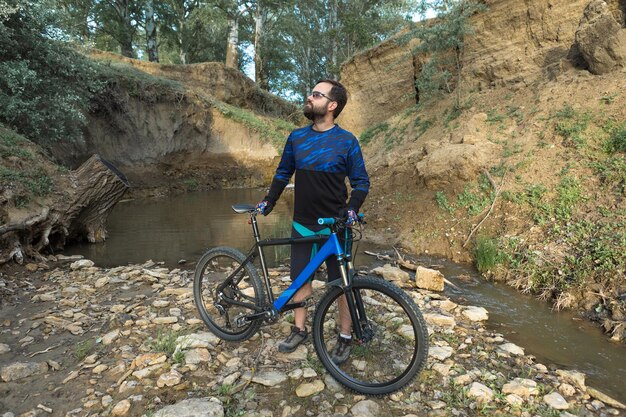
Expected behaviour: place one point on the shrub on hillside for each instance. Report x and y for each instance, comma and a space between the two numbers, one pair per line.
45, 87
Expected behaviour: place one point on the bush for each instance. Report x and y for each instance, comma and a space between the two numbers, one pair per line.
486, 254
45, 87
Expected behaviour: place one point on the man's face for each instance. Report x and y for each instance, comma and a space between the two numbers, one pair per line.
316, 105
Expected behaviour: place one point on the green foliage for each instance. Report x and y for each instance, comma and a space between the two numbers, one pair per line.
371, 133
45, 87
571, 125
486, 254
617, 139
443, 203
274, 133
82, 349
443, 41
164, 342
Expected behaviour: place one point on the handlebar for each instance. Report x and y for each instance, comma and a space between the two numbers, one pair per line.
329, 221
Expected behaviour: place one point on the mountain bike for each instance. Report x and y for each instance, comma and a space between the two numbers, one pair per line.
390, 338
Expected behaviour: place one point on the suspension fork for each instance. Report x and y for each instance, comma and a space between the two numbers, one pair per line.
353, 298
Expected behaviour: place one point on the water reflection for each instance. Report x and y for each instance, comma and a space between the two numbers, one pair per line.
184, 227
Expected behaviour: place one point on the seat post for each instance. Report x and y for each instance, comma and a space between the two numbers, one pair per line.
257, 239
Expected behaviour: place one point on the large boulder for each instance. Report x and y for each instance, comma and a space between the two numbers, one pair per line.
600, 39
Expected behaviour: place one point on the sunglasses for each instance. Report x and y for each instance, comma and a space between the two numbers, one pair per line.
317, 94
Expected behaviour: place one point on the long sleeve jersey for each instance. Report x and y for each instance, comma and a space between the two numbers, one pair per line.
321, 162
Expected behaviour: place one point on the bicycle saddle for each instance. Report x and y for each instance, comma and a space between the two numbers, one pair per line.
243, 208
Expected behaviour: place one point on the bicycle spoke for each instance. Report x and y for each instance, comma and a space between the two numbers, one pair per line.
219, 284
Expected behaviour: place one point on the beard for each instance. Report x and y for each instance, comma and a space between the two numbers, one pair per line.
313, 113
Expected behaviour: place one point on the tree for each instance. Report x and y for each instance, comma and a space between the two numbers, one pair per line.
118, 20
443, 40
45, 87
151, 33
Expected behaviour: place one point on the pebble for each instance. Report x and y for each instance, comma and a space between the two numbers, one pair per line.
121, 408
556, 401
308, 389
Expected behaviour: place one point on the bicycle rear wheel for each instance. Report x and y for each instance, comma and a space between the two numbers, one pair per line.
394, 346
219, 310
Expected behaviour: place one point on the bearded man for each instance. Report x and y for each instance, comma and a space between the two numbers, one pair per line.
322, 155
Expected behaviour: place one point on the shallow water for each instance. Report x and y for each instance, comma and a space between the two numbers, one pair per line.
177, 228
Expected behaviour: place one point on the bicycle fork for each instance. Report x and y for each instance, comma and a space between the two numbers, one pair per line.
354, 301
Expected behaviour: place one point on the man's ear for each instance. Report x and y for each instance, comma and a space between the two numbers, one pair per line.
332, 106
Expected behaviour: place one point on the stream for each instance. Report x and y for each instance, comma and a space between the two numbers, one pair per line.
178, 229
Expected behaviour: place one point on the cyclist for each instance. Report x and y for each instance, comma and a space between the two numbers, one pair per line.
322, 155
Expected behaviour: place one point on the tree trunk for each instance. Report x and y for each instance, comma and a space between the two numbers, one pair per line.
334, 29
151, 33
232, 60
259, 72
80, 214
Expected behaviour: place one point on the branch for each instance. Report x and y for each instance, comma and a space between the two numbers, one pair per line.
26, 224
493, 203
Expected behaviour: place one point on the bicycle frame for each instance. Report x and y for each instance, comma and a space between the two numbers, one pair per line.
331, 247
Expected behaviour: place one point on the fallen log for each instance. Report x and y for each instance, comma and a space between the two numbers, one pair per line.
79, 213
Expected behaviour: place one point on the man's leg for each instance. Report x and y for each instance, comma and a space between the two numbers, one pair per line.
300, 313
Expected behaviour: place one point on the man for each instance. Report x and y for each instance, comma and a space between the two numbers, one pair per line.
322, 155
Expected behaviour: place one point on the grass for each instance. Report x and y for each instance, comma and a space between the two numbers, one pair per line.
367, 136
474, 198
82, 349
164, 342
486, 253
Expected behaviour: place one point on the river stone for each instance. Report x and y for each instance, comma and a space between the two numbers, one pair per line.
100, 368
481, 392
232, 378
147, 372
332, 384
309, 373
21, 370
391, 273
443, 369
121, 408
474, 313
4, 348
440, 352
169, 379
511, 349
365, 408
573, 377
269, 378
110, 337
522, 387
194, 407
463, 379
514, 399
310, 388
556, 401
83, 263
196, 356
197, 340
165, 320
148, 359
296, 373
101, 282
567, 390
440, 320
160, 303
605, 398
429, 279
300, 354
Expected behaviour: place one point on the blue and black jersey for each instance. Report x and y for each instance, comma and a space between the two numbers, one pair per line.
321, 162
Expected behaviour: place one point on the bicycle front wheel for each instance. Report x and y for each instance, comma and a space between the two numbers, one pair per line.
394, 346
241, 291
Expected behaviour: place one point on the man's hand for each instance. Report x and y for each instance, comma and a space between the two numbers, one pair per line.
264, 207
351, 217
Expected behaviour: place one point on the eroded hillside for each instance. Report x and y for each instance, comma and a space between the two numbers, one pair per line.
528, 179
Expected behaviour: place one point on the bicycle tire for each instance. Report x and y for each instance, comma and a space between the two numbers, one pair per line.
212, 269
398, 338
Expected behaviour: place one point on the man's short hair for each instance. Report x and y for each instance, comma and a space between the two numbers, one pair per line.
339, 94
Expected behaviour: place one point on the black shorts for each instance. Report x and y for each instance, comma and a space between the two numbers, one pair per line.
302, 253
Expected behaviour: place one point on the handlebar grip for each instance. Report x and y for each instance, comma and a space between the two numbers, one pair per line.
326, 220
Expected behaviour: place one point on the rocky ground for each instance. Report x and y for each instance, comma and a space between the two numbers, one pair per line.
78, 340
